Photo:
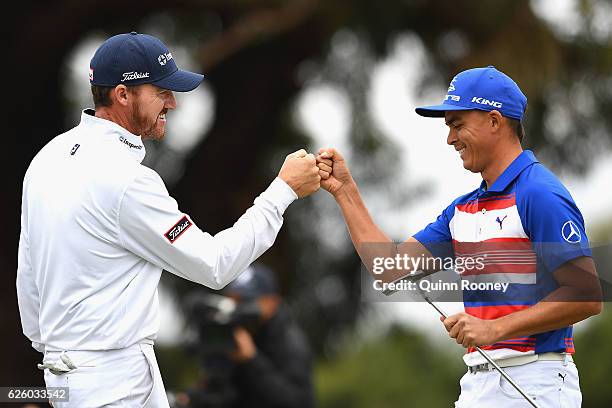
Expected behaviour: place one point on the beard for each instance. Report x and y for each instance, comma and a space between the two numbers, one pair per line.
146, 127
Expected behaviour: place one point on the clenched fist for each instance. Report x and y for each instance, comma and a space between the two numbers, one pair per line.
470, 331
301, 173
334, 171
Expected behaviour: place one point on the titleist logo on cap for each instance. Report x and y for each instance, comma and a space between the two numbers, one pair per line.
128, 76
135, 58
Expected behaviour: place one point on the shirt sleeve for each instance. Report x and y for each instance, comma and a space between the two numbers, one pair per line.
436, 236
152, 226
554, 224
28, 298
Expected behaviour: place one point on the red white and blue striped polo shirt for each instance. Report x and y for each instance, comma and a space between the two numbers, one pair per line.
528, 225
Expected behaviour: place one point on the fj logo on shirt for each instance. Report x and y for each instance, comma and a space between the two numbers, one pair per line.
178, 228
128, 143
74, 149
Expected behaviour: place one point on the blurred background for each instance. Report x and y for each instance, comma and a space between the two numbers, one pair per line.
284, 75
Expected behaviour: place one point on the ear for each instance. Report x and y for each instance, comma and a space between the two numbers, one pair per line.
495, 120
120, 95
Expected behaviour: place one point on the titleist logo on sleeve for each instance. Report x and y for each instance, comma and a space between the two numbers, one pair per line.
178, 228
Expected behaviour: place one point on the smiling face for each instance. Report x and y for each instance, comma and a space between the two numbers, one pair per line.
471, 133
147, 110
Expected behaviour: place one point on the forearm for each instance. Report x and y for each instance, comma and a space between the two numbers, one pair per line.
545, 316
577, 298
187, 251
369, 240
28, 298
380, 255
253, 233
361, 226
29, 310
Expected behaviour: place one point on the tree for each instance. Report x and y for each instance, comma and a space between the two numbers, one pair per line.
250, 52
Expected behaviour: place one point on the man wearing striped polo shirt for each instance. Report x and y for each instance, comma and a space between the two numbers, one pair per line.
532, 236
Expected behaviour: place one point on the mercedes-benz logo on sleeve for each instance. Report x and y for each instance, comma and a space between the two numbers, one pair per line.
571, 233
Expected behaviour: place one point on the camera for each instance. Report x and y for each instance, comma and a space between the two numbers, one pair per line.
214, 318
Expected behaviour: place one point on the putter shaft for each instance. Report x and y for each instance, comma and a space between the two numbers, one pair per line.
492, 362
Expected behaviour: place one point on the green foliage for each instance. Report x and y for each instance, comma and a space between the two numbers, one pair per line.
255, 55
179, 370
401, 369
593, 357
404, 369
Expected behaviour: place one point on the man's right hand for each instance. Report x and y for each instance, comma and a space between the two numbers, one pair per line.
301, 173
329, 160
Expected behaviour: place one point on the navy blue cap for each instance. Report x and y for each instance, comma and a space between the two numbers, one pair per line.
484, 89
135, 59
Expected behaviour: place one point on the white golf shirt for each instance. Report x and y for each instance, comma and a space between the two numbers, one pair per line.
97, 228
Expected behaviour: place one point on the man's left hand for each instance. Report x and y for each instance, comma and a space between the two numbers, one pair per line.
470, 331
246, 348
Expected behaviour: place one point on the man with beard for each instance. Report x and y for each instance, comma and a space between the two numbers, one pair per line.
98, 228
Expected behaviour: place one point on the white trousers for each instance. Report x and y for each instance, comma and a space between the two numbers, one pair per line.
126, 377
551, 383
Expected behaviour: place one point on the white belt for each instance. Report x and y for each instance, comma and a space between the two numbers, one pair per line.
62, 363
521, 360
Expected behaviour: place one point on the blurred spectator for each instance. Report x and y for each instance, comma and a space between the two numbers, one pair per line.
253, 351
